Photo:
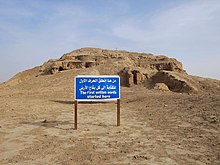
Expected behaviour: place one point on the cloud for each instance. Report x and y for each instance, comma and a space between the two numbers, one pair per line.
188, 31
190, 18
34, 31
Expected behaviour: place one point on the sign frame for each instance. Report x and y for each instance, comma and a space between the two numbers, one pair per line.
76, 102
97, 76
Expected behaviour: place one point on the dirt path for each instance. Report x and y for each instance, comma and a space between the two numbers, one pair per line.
156, 128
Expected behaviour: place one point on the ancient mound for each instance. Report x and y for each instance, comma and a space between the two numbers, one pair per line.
134, 69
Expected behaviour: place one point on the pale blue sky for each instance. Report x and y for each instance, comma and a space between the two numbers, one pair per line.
33, 31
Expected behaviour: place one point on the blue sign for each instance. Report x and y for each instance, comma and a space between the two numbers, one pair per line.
97, 88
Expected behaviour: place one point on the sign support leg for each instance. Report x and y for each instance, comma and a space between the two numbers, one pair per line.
118, 112
75, 114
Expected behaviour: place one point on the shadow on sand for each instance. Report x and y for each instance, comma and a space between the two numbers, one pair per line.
59, 124
82, 102
63, 102
50, 124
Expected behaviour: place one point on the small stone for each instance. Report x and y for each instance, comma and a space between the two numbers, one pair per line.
161, 86
212, 119
44, 121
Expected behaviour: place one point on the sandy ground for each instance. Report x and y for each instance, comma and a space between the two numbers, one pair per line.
36, 127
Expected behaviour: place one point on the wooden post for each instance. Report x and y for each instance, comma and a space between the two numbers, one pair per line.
75, 115
118, 112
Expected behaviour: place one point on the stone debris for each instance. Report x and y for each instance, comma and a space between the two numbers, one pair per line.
161, 86
174, 81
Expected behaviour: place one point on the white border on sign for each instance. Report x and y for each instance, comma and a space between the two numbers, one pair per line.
98, 76
117, 76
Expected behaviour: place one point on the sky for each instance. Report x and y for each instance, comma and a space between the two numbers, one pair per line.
34, 31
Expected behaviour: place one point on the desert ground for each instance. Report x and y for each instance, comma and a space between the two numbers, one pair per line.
157, 127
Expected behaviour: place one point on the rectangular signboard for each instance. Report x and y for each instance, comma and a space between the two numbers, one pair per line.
97, 88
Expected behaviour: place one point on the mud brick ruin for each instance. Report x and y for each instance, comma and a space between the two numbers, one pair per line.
133, 68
